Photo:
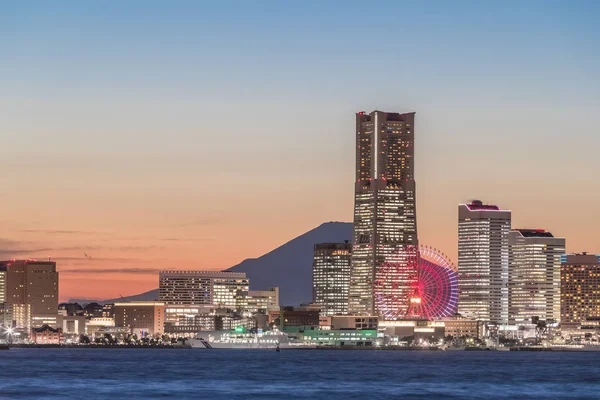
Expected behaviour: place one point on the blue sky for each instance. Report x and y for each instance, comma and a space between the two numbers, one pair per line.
137, 116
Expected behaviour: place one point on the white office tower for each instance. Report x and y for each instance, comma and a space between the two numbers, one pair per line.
534, 276
483, 232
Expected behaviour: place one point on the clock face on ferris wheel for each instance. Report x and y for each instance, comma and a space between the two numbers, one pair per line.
421, 284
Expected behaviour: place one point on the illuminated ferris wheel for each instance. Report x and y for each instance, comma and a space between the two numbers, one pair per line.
411, 285
437, 284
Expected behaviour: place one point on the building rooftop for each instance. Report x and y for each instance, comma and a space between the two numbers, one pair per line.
478, 205
534, 233
324, 246
208, 274
45, 328
580, 259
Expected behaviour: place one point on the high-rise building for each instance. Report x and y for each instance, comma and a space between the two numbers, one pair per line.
483, 262
534, 276
2, 283
220, 289
580, 288
331, 277
385, 221
32, 292
5, 311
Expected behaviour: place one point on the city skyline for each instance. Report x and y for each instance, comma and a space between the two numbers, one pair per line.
112, 158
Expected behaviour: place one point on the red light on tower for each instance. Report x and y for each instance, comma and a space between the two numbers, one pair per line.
361, 113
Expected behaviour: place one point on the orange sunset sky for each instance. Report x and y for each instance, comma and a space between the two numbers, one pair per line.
195, 146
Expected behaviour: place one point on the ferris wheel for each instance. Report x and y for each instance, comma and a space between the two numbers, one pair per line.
437, 284
417, 284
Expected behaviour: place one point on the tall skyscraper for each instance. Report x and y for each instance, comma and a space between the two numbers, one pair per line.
580, 288
534, 276
331, 277
385, 222
483, 262
32, 292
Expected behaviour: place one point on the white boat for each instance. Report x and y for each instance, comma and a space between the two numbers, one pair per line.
245, 340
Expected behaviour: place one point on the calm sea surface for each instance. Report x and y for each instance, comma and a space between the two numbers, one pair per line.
303, 374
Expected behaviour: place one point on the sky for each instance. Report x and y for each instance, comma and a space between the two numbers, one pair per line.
139, 136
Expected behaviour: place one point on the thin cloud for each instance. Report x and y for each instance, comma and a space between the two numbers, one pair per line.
93, 259
61, 232
137, 271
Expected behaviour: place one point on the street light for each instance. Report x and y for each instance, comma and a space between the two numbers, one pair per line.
9, 333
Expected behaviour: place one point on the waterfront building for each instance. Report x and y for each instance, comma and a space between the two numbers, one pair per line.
32, 292
221, 289
459, 326
2, 283
580, 288
331, 277
143, 318
73, 325
46, 335
534, 276
5, 313
398, 331
294, 316
357, 322
483, 265
385, 219
98, 324
185, 320
261, 301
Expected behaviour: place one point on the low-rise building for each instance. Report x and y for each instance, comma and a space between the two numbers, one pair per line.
458, 326
73, 325
353, 322
143, 318
415, 329
186, 320
94, 325
261, 301
46, 335
290, 316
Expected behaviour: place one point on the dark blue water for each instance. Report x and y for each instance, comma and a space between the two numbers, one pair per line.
303, 374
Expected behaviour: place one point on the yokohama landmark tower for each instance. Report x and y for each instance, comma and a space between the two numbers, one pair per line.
385, 222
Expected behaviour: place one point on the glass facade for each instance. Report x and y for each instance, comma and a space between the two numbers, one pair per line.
385, 225
580, 288
534, 276
331, 277
220, 289
483, 265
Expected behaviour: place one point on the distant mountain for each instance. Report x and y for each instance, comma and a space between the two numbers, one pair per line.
288, 267
146, 296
